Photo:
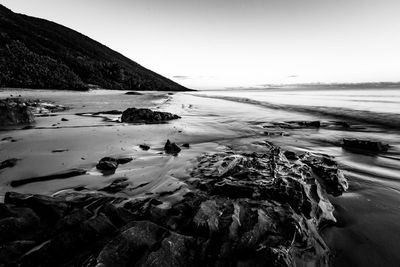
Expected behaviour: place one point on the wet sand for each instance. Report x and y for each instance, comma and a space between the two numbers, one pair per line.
367, 232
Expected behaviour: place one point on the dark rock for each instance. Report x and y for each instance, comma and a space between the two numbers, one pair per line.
315, 124
8, 163
61, 175
134, 115
133, 93
124, 160
240, 209
59, 150
171, 148
367, 145
9, 138
131, 244
107, 164
12, 251
331, 176
276, 133
144, 147
116, 186
64, 119
186, 145
14, 113
290, 155
21, 222
109, 112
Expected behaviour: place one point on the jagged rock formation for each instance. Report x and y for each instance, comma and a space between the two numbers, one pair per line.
36, 53
240, 209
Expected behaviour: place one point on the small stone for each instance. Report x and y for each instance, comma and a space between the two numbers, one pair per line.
144, 147
8, 163
171, 148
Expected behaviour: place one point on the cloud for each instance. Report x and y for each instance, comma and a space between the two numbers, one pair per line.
292, 76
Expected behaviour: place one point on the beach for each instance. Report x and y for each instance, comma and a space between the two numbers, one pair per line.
366, 232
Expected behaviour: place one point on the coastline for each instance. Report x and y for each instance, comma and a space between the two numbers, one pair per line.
209, 127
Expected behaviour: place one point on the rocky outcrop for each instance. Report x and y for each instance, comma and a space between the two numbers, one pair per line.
366, 145
14, 113
239, 209
144, 115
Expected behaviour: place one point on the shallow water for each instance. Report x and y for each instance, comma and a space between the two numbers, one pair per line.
367, 233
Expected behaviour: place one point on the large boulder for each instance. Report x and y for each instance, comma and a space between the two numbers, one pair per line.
144, 115
366, 145
14, 113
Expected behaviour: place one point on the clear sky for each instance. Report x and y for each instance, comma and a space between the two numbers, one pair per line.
230, 43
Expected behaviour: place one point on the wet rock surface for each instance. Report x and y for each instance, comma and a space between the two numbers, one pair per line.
144, 147
241, 209
60, 175
110, 164
364, 145
8, 163
133, 93
171, 148
15, 112
140, 115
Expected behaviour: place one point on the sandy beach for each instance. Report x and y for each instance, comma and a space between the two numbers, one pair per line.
78, 137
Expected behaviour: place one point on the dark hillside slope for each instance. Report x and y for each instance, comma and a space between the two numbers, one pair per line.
36, 53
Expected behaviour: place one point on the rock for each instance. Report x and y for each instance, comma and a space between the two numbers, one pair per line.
59, 150
144, 147
116, 186
14, 113
124, 160
64, 119
109, 112
171, 148
107, 164
276, 133
10, 252
331, 176
367, 145
61, 175
134, 115
8, 163
315, 124
9, 139
186, 145
133, 93
290, 155
131, 244
239, 209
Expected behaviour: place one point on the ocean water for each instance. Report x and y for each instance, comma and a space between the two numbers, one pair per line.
377, 106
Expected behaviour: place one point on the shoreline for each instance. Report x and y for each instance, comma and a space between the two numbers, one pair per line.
209, 127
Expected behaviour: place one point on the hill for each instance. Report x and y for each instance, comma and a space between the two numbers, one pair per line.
36, 53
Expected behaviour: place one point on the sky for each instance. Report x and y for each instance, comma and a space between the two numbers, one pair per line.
213, 44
